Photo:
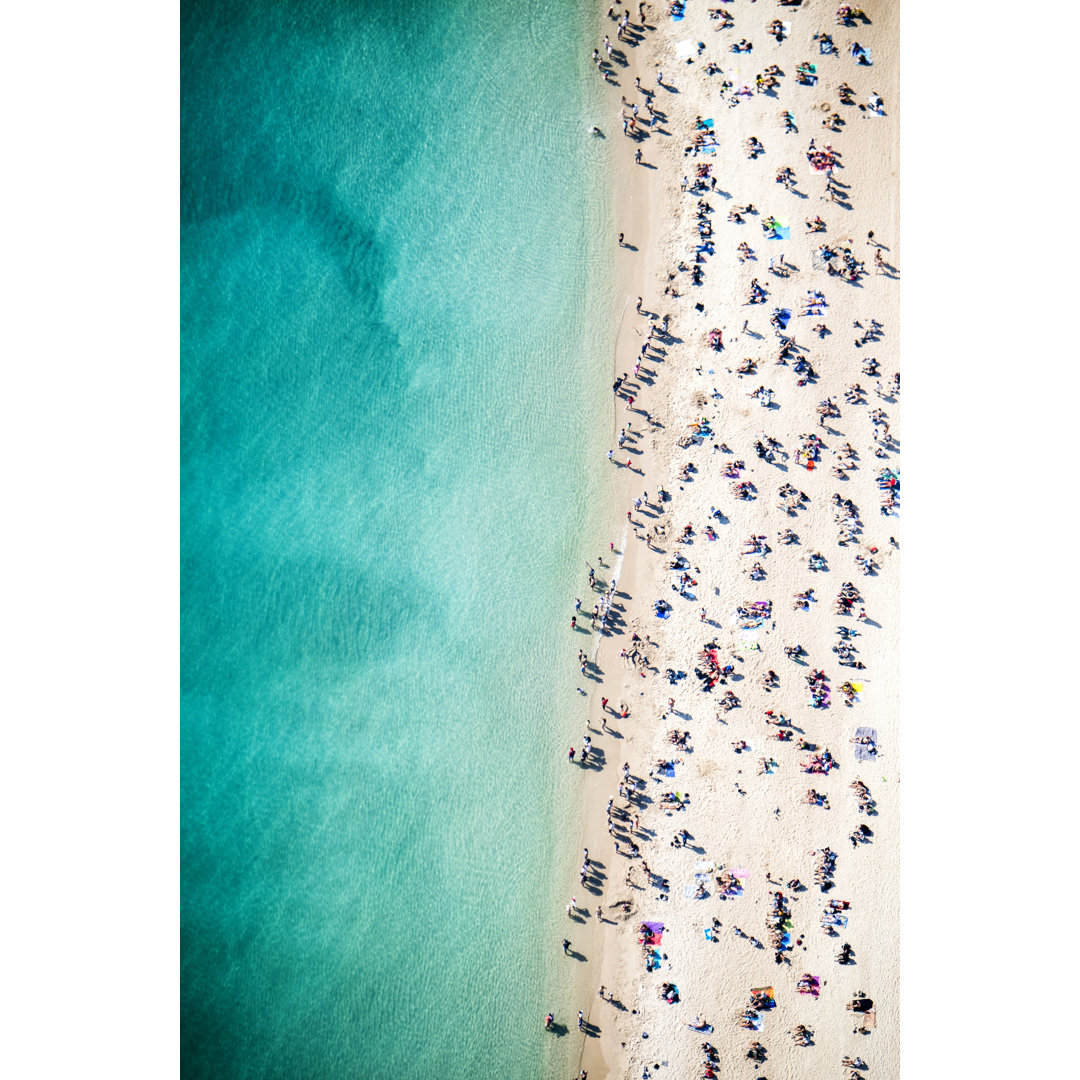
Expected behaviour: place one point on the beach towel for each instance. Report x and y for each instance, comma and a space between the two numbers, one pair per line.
668, 769
782, 231
686, 48
768, 992
784, 317
655, 927
662, 614
862, 751
710, 935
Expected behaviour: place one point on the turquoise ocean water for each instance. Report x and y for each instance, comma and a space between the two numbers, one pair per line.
395, 242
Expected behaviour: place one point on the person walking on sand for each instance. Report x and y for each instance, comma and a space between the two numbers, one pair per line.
565, 946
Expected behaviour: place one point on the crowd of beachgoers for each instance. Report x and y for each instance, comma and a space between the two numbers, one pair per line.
738, 648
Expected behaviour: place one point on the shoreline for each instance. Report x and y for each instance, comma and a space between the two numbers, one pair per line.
658, 220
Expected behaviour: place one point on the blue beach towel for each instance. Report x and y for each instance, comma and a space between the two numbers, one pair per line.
862, 751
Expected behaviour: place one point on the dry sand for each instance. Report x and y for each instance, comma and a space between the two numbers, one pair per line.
768, 828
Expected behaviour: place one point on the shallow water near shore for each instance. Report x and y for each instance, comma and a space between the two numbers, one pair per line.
394, 304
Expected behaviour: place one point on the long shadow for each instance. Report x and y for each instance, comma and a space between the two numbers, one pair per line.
559, 1030
596, 760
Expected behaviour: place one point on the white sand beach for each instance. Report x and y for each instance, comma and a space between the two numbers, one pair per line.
750, 831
